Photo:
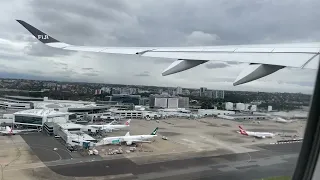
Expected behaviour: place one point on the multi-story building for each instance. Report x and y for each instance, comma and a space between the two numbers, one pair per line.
202, 90
183, 102
173, 103
125, 98
179, 90
220, 94
168, 102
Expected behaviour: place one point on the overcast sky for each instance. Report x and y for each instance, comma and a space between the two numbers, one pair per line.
153, 23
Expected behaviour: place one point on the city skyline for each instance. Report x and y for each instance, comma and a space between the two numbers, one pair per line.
163, 88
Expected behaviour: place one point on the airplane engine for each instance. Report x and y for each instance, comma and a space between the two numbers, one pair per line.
263, 137
129, 143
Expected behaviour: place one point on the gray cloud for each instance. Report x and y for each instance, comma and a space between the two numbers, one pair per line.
143, 74
87, 69
216, 65
38, 49
163, 61
300, 83
12, 57
60, 64
220, 79
67, 73
153, 23
90, 74
36, 71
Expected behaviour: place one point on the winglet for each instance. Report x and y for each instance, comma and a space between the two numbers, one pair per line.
41, 36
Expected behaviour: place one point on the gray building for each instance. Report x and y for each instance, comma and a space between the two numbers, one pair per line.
183, 102
202, 90
173, 103
168, 102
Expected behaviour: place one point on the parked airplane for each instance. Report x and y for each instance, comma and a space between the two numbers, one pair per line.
281, 120
256, 134
10, 131
128, 139
263, 59
111, 127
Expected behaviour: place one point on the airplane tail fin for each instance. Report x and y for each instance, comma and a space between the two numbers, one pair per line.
154, 132
127, 134
242, 131
128, 122
41, 36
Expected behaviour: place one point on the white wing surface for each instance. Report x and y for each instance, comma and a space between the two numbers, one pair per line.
263, 59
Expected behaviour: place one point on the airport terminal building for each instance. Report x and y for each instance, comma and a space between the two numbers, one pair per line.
37, 117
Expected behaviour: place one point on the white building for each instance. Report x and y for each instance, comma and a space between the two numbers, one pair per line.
253, 108
240, 106
179, 90
128, 113
72, 134
214, 112
269, 108
160, 102
173, 103
37, 117
243, 117
229, 106
15, 105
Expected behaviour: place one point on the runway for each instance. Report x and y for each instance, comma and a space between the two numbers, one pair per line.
272, 160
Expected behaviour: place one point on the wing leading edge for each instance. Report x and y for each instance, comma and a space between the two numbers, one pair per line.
263, 59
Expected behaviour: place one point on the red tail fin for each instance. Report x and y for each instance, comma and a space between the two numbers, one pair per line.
128, 122
242, 131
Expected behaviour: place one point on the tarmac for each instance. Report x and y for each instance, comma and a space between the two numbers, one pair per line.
207, 148
271, 160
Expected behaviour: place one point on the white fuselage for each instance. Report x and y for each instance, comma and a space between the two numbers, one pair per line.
260, 134
134, 138
108, 126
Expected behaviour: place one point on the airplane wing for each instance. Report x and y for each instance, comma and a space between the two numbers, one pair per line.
263, 59
108, 128
258, 136
140, 141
